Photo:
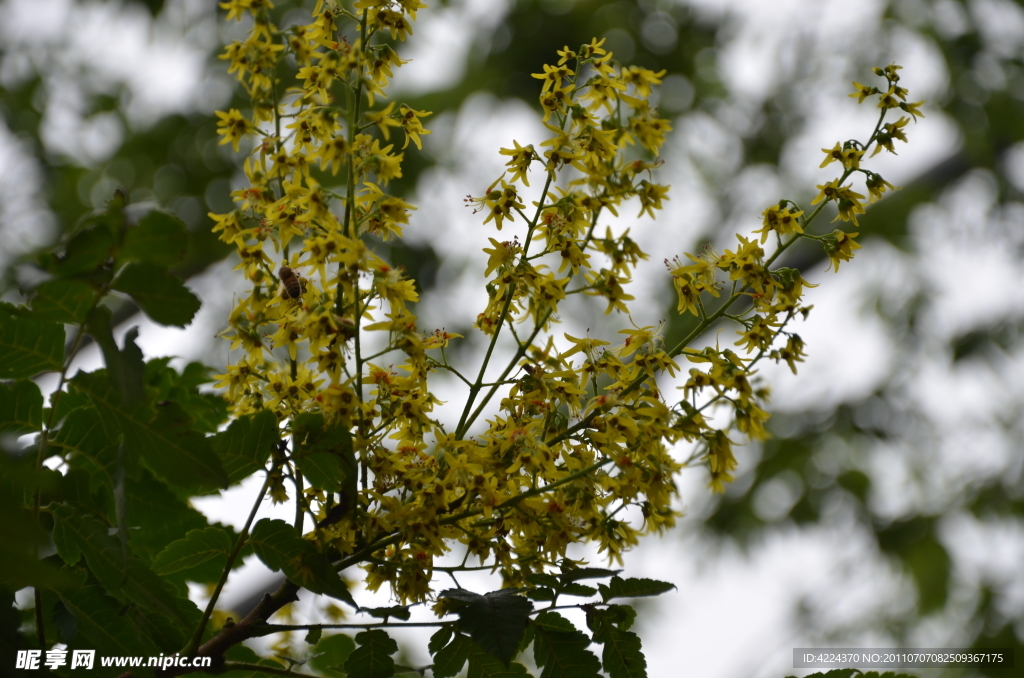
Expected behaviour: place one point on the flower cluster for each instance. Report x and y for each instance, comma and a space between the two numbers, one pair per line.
581, 441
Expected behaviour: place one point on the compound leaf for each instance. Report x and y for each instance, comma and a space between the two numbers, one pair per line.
496, 621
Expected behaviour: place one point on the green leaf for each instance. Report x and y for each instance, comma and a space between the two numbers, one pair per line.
397, 611
63, 301
21, 408
560, 648
543, 579
101, 620
20, 534
450, 659
330, 654
161, 295
439, 639
123, 575
156, 515
86, 251
160, 239
622, 656
633, 588
276, 542
622, 616
29, 346
165, 442
196, 548
282, 548
324, 453
245, 445
83, 432
578, 590
372, 659
586, 573
207, 410
483, 664
313, 635
496, 621
124, 368
540, 594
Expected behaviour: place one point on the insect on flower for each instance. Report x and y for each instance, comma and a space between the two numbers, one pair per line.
291, 286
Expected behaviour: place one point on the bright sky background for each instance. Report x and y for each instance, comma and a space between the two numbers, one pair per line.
734, 613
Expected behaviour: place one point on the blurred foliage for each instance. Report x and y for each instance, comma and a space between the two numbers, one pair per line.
177, 163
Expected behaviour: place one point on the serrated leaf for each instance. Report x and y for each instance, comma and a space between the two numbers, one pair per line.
397, 611
20, 537
372, 659
622, 616
586, 573
166, 442
450, 659
275, 542
439, 639
83, 432
540, 594
125, 368
482, 664
245, 445
196, 548
560, 648
63, 301
633, 588
496, 621
578, 590
21, 408
159, 238
29, 346
162, 296
99, 618
127, 578
622, 656
207, 410
330, 654
324, 453
282, 548
313, 634
88, 250
543, 579
156, 515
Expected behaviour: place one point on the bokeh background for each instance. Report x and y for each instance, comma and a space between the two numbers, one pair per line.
888, 508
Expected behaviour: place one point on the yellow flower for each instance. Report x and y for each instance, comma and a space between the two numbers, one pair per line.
383, 120
912, 109
863, 91
410, 121
553, 76
877, 186
232, 127
839, 246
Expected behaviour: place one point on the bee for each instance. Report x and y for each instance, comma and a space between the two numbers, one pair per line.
292, 286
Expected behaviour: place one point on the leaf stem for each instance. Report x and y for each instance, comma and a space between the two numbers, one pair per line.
197, 637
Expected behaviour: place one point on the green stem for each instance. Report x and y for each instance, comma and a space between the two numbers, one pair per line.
463, 426
197, 637
44, 439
